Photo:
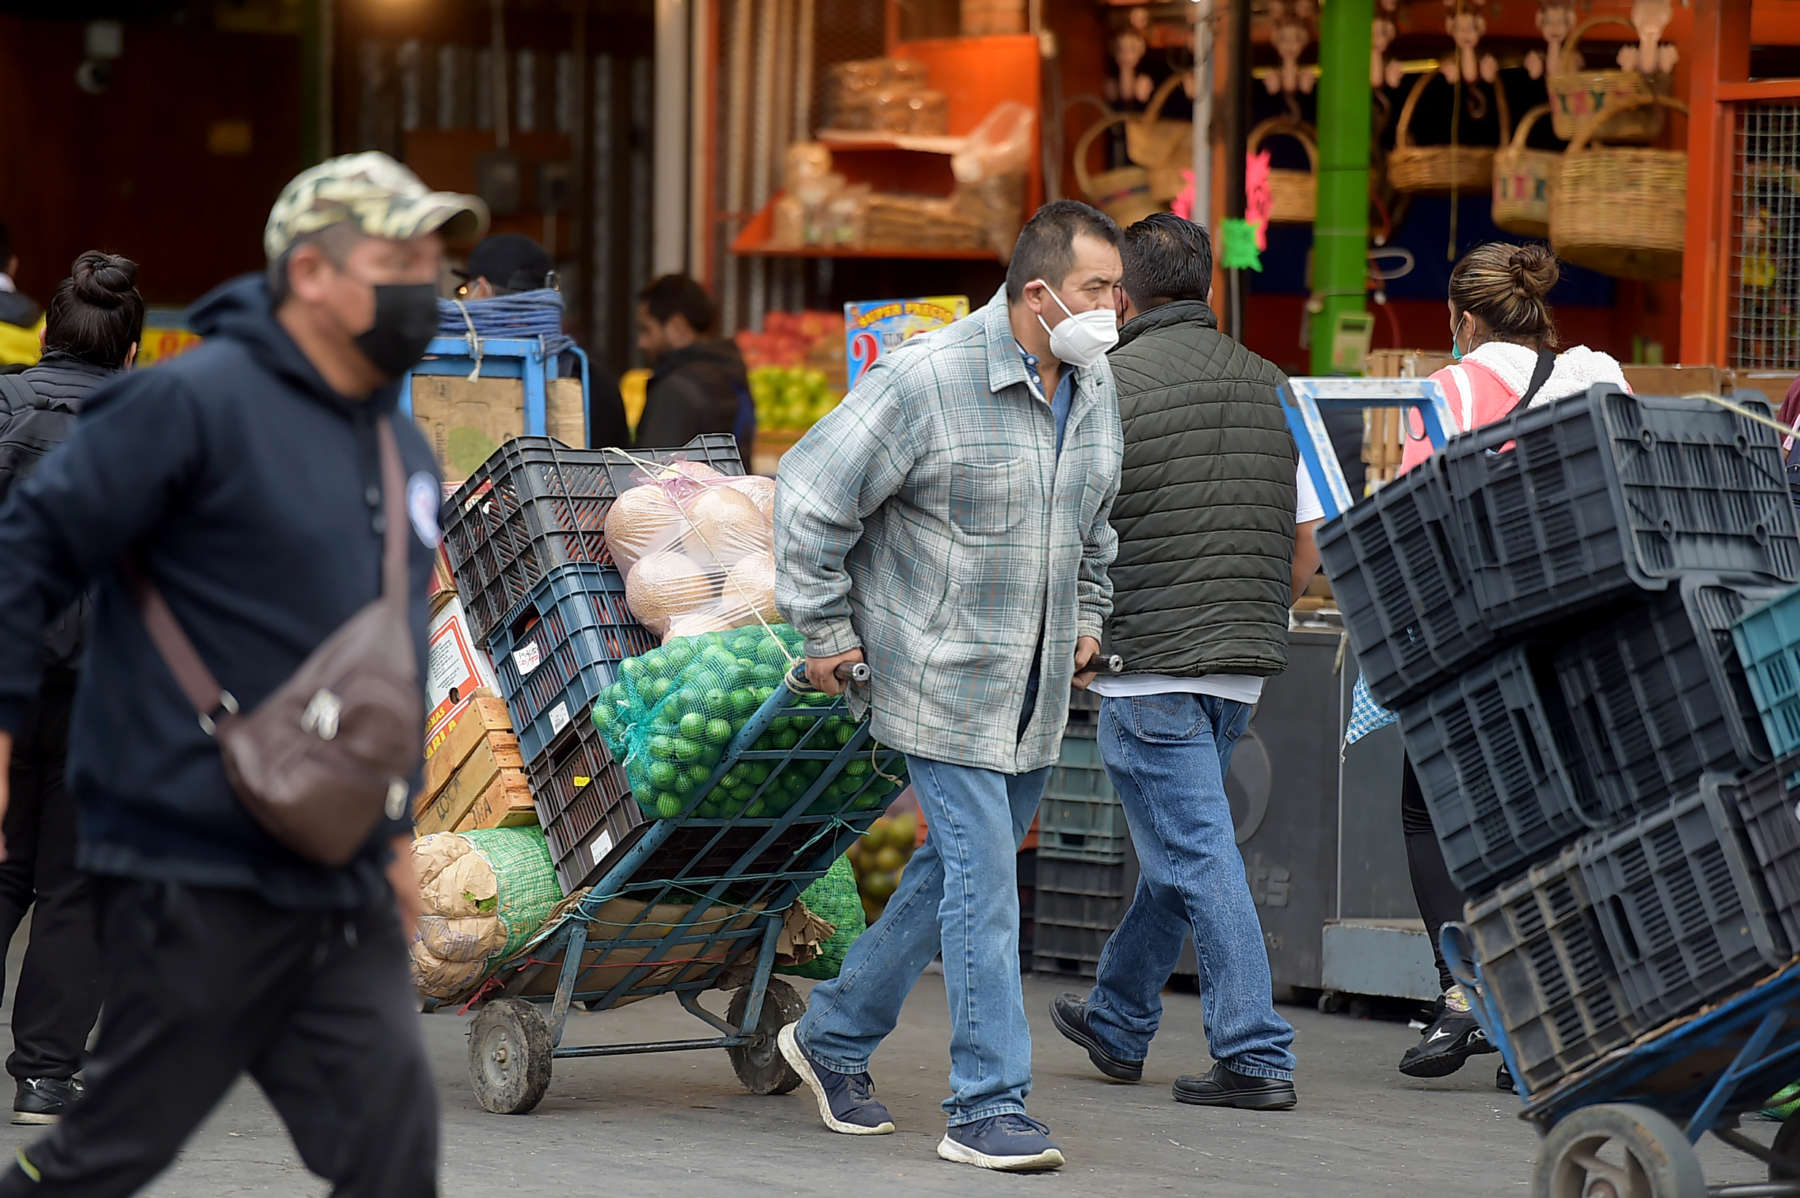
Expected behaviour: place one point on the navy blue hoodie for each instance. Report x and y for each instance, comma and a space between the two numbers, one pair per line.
250, 491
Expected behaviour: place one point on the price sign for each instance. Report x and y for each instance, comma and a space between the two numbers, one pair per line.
872, 329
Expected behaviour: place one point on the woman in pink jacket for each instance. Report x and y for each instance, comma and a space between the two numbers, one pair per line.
1504, 343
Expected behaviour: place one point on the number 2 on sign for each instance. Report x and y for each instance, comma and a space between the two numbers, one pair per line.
864, 349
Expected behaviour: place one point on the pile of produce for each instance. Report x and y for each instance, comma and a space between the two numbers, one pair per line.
483, 893
697, 550
792, 398
879, 855
675, 711
833, 898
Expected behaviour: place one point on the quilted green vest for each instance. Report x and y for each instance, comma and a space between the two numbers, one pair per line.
1205, 513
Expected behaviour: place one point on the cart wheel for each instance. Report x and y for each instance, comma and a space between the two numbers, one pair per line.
759, 1064
1787, 1147
509, 1056
1617, 1152
1331, 1002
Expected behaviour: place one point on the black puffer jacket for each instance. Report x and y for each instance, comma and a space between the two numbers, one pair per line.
699, 389
38, 407
1205, 513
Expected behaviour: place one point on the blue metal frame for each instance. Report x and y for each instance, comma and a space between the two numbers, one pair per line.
1302, 398
1745, 1026
743, 909
526, 358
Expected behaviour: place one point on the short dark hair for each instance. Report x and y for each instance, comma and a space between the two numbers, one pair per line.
1166, 258
334, 240
678, 295
1046, 246
96, 312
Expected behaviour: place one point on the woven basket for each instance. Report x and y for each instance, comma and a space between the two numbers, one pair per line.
1123, 193
1578, 97
1293, 195
1440, 169
1157, 145
1621, 210
1523, 178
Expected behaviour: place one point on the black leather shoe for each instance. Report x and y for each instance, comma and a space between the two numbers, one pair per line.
1226, 1087
1069, 1013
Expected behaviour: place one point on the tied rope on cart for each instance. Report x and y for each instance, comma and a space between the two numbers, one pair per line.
526, 316
1366, 715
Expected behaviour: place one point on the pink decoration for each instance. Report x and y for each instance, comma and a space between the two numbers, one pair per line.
1258, 202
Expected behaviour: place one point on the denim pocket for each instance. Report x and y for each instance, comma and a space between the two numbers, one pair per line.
987, 497
1166, 719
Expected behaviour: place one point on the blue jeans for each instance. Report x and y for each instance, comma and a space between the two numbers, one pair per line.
1167, 756
960, 893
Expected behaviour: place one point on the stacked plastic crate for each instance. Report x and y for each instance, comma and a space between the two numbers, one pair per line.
1548, 605
524, 537
1082, 845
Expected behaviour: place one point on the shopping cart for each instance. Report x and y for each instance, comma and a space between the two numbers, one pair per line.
1626, 1126
695, 905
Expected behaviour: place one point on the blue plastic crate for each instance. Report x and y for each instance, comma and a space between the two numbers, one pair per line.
1768, 643
556, 654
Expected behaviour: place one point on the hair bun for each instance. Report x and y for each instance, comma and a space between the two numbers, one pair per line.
103, 280
1534, 271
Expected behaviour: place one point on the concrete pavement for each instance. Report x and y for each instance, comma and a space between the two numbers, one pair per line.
679, 1124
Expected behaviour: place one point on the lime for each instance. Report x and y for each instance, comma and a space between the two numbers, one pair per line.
845, 734
668, 806
633, 668
718, 732
682, 785
856, 769
756, 810
716, 703
656, 690
678, 653
786, 740
771, 653
743, 702
708, 810
683, 749
711, 755
661, 774
662, 747
699, 774
693, 725
733, 776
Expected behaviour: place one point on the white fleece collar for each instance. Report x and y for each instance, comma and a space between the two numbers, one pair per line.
1577, 368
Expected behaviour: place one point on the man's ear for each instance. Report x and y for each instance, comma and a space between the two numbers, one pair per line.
131, 355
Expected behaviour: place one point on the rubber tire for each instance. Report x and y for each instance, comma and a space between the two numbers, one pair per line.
1331, 1003
759, 1064
509, 1056
1668, 1161
1787, 1147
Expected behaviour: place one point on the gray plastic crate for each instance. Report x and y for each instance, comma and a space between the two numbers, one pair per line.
1080, 818
1077, 906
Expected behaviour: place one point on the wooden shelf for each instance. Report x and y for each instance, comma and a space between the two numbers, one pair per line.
919, 143
757, 241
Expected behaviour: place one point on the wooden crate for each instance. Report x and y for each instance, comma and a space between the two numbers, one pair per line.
474, 777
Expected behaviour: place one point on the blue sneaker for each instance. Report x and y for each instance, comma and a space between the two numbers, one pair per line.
1010, 1143
846, 1100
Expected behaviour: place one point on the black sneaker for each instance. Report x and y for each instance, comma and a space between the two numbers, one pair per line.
846, 1100
1069, 1013
1223, 1086
1452, 1038
45, 1099
1503, 1079
1009, 1143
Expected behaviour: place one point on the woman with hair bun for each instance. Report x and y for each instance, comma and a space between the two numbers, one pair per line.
91, 332
1504, 342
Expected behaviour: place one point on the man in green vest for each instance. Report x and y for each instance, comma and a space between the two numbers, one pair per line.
1215, 524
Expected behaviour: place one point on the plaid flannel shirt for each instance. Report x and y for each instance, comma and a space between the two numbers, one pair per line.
929, 521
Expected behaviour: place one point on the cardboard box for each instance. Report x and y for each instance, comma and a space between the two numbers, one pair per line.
466, 420
1772, 385
1680, 380
456, 669
1405, 363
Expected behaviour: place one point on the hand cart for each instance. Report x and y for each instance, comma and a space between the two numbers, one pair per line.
707, 917
1626, 1126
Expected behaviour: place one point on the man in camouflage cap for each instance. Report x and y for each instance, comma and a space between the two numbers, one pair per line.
243, 481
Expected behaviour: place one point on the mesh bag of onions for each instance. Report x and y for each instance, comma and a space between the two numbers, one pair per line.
697, 550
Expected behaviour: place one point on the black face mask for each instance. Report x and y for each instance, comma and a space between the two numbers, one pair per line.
406, 320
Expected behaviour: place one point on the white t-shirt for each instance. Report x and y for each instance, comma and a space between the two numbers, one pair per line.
1237, 688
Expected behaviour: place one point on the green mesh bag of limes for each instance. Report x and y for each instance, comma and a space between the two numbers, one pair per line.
675, 710
834, 898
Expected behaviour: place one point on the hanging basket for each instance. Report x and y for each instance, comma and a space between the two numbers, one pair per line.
1621, 210
1123, 193
1441, 169
1577, 98
1293, 195
1157, 145
1523, 178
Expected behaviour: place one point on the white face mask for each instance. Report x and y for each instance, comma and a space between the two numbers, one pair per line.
1083, 339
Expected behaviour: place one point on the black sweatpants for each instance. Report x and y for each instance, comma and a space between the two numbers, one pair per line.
205, 985
1440, 901
59, 984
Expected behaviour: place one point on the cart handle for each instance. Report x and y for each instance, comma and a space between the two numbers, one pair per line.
857, 672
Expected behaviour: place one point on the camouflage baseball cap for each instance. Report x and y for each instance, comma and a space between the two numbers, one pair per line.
374, 193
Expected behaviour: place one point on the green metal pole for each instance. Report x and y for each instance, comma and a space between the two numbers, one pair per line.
315, 81
1341, 229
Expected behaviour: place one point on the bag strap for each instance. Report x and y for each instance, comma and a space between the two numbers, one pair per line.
203, 691
1540, 374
